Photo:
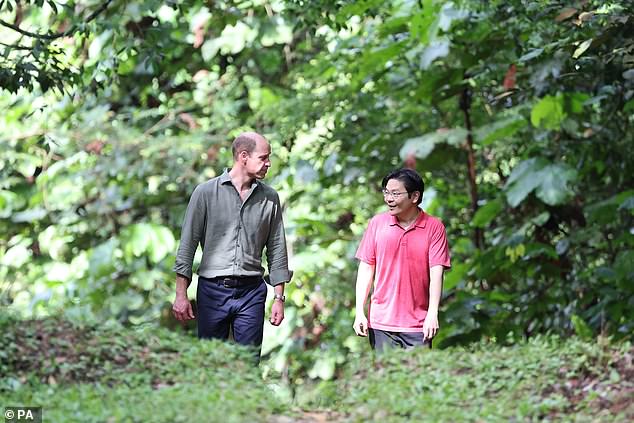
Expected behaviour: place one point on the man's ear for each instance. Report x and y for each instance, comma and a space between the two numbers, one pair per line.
415, 196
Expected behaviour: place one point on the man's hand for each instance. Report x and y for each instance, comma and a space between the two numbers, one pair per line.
182, 309
430, 327
277, 312
361, 325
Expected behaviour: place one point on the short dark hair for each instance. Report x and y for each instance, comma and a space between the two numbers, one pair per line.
242, 143
410, 178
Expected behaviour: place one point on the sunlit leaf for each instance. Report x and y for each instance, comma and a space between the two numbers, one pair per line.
554, 183
548, 112
29, 215
500, 129
531, 55
582, 48
435, 50
423, 146
487, 213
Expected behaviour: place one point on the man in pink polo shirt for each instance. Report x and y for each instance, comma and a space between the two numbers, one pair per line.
404, 252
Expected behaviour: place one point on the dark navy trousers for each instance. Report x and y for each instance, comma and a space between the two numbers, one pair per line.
221, 309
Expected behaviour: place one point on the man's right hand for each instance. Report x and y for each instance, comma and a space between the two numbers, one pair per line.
361, 325
182, 309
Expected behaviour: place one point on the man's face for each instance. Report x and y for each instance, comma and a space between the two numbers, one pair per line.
259, 161
396, 197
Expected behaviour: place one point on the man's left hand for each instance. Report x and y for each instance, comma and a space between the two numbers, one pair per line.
430, 327
277, 313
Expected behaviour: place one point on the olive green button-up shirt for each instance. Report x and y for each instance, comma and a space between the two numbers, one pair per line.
233, 233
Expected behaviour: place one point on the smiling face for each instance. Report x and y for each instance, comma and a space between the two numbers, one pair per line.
401, 205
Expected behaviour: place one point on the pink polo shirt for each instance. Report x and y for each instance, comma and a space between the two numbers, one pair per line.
402, 260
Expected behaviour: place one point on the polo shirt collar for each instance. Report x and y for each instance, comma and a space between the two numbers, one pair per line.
420, 222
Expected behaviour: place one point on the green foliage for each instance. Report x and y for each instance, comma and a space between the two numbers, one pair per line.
541, 379
90, 372
518, 114
549, 181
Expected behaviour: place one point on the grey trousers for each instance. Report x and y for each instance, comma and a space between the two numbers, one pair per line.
380, 340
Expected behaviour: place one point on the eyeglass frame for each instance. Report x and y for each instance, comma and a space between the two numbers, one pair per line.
395, 195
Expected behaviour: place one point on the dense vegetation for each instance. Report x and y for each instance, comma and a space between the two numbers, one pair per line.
87, 372
90, 372
518, 113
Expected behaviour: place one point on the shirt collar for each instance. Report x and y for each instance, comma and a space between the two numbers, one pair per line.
420, 222
226, 178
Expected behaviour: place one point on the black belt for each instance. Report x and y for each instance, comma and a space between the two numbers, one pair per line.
235, 281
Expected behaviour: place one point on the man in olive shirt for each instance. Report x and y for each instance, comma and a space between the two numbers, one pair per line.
233, 217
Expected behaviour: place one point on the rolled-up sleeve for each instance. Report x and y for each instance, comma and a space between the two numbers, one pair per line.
276, 252
192, 232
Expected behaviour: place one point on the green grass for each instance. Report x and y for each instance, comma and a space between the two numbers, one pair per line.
544, 379
97, 374
107, 373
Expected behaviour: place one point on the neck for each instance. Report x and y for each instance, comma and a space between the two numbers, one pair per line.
240, 179
409, 218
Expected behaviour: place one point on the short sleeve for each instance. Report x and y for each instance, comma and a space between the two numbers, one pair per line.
367, 248
438, 247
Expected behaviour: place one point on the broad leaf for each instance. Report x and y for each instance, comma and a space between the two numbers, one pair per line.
424, 145
500, 129
550, 181
548, 112
487, 213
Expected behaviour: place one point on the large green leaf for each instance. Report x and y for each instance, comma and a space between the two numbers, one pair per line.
424, 145
148, 238
435, 50
162, 242
455, 276
424, 23
549, 112
278, 33
499, 129
375, 60
554, 179
487, 213
549, 181
136, 239
10, 201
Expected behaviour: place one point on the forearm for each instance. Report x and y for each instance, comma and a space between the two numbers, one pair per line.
279, 289
182, 283
435, 288
365, 276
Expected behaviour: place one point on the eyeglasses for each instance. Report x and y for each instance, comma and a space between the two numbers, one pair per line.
394, 194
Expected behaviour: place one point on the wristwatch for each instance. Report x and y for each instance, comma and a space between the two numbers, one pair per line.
280, 297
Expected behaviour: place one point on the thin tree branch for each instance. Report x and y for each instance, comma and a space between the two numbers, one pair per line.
54, 36
465, 105
15, 46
